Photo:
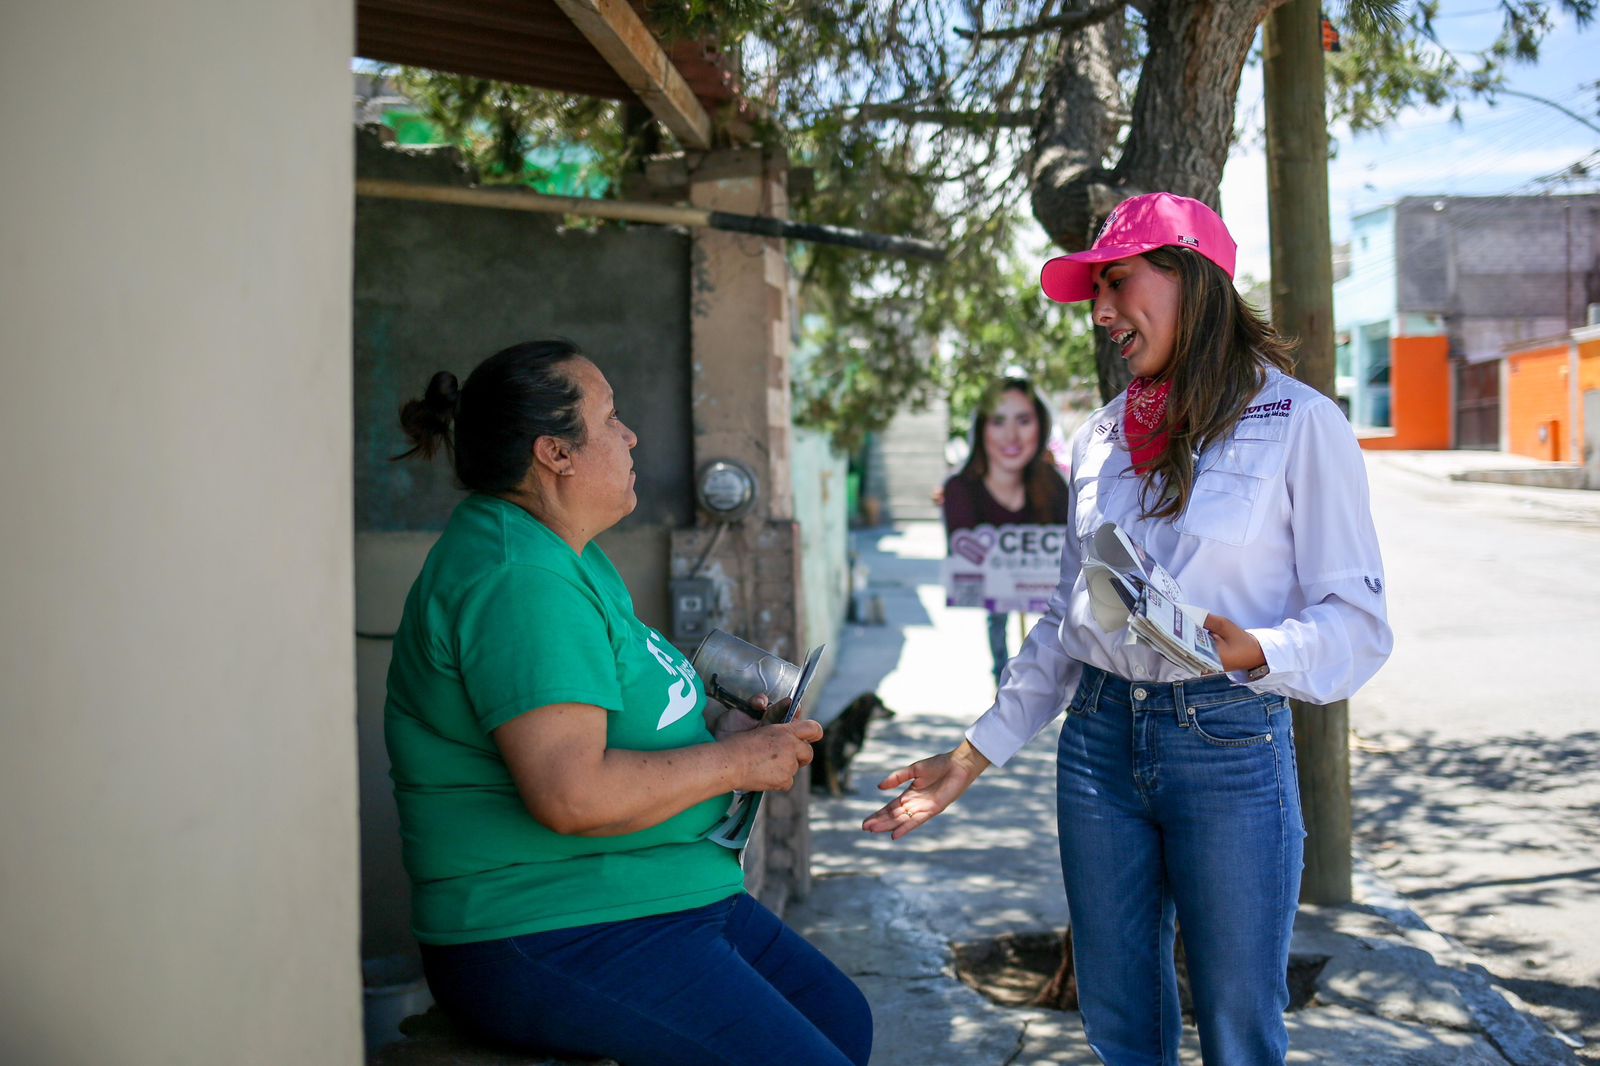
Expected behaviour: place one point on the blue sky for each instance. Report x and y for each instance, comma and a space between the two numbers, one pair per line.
1496, 150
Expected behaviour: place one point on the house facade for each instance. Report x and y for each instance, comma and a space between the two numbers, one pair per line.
1452, 282
1551, 389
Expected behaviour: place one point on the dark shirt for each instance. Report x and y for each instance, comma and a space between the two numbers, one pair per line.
967, 503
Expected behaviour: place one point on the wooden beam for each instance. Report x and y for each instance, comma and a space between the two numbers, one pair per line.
619, 35
519, 199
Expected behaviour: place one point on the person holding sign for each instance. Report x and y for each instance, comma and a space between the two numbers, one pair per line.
1177, 798
556, 774
1009, 478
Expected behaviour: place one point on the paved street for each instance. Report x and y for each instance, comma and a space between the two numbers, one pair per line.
1477, 761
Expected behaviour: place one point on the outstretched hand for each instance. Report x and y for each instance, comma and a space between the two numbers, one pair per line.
935, 784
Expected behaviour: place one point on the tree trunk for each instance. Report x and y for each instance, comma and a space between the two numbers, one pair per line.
1179, 136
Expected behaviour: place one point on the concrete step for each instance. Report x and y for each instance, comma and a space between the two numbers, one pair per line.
431, 1039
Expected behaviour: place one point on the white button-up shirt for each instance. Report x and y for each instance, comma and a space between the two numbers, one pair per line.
1277, 536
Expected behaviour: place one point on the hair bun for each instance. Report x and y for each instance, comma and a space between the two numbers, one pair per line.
443, 395
427, 421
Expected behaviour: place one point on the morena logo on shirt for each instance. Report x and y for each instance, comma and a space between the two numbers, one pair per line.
681, 696
1374, 585
1270, 409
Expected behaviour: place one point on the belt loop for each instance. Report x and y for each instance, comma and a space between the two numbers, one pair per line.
1099, 683
1178, 706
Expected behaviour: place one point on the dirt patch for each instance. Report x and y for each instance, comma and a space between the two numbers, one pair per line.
1015, 968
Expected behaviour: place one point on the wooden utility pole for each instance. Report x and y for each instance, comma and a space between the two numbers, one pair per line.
1302, 306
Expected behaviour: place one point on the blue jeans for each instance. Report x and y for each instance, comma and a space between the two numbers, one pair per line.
997, 642
1179, 802
719, 985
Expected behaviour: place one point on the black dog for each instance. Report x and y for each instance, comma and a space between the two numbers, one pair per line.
841, 740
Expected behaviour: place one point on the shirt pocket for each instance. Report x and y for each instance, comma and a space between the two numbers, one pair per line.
1227, 503
1086, 506
1092, 486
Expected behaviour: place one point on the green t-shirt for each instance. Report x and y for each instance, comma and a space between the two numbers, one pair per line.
505, 618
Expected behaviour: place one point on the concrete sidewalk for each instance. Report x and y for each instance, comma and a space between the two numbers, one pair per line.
1390, 990
1492, 468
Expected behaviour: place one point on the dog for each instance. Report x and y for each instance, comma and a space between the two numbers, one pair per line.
841, 741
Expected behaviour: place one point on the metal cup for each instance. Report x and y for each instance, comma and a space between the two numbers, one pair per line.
735, 672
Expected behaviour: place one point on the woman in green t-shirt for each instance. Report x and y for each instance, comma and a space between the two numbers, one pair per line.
556, 771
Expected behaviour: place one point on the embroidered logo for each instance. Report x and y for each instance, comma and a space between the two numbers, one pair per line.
1109, 430
1271, 409
681, 696
1192, 242
1374, 585
1111, 220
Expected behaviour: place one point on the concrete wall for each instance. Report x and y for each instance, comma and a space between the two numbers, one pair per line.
1364, 312
1367, 293
1584, 405
819, 505
1546, 412
1420, 388
176, 665
1502, 270
740, 388
441, 288
1538, 404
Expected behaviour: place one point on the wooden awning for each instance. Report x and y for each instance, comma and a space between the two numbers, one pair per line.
601, 48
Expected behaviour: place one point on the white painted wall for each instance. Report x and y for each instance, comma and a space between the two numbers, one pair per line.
178, 872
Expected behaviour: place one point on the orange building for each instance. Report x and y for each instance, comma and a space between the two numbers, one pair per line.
1419, 389
1544, 384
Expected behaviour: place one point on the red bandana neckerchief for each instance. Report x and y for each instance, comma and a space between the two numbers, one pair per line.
1143, 418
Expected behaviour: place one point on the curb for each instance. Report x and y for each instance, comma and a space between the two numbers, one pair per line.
1505, 1018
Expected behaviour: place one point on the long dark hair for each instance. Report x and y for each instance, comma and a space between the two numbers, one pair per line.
1041, 481
488, 425
1220, 355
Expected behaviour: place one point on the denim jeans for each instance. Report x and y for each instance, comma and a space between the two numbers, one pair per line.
719, 985
998, 651
1179, 803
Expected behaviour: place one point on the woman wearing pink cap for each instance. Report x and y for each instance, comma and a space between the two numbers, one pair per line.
1177, 798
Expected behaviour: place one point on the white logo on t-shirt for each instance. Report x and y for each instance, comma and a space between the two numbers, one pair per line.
681, 697
680, 701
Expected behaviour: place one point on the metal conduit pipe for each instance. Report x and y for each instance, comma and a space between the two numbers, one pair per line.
653, 214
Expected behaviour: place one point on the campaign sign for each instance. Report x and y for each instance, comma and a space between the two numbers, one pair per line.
1004, 568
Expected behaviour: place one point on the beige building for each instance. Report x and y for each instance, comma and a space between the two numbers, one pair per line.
178, 875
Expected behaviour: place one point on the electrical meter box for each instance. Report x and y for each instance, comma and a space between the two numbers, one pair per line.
693, 601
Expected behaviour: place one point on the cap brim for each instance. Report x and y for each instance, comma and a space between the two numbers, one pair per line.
1065, 279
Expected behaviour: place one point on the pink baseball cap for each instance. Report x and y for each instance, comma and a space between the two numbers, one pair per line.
1136, 226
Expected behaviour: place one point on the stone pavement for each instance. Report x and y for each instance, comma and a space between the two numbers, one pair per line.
1391, 990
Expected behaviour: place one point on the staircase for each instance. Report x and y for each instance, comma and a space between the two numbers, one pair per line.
905, 463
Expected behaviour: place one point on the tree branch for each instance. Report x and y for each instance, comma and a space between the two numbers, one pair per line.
1069, 22
946, 116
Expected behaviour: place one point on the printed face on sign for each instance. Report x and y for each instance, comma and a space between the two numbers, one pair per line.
1011, 433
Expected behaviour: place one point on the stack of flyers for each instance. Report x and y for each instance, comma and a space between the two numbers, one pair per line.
734, 829
1129, 589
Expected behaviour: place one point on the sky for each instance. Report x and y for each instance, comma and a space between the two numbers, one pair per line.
1496, 150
